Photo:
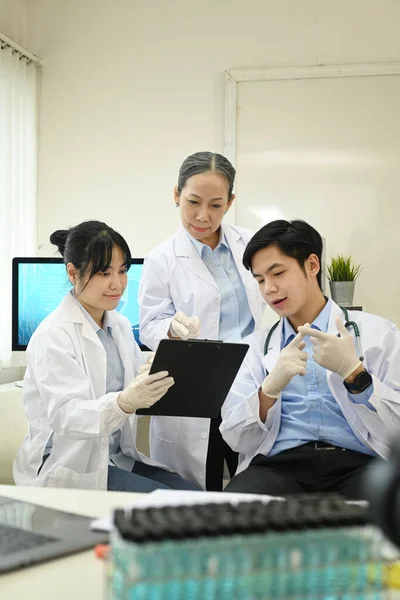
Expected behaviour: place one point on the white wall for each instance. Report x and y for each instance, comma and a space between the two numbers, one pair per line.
130, 87
13, 19
328, 151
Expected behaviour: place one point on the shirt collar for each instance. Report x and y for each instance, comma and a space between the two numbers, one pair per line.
321, 322
106, 321
200, 246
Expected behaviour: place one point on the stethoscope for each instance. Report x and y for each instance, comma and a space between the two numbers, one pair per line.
348, 324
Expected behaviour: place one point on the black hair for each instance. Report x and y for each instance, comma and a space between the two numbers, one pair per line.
296, 239
202, 162
89, 247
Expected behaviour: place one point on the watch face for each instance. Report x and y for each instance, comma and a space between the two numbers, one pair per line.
363, 381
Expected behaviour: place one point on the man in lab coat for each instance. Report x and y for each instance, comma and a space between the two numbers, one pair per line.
312, 404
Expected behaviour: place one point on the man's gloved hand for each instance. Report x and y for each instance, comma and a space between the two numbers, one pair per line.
184, 327
144, 391
337, 354
292, 361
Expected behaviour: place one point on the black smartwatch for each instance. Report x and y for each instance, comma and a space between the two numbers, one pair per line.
360, 384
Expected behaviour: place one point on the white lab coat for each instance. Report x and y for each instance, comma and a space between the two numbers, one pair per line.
247, 434
64, 395
175, 279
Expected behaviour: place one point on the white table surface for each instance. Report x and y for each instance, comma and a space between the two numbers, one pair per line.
77, 577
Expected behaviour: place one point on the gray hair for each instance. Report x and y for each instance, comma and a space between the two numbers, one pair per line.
202, 162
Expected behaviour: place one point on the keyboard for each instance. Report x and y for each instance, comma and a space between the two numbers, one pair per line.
14, 540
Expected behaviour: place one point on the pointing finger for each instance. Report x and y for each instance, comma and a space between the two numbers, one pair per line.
314, 333
340, 327
297, 340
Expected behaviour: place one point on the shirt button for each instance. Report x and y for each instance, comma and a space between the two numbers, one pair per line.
204, 435
216, 301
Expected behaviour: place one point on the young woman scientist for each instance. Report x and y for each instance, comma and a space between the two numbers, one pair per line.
85, 379
194, 285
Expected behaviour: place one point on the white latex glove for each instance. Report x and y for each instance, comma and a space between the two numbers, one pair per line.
292, 361
144, 391
337, 354
145, 367
184, 327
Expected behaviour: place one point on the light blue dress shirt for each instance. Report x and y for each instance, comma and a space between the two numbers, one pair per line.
235, 320
309, 410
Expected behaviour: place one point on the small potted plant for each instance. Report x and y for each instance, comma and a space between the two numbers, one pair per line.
342, 274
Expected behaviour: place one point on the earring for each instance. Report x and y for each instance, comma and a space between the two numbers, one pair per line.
176, 204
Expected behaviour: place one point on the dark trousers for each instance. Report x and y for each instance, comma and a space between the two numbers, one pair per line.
304, 469
218, 451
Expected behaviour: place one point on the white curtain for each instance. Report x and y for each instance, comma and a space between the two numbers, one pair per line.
18, 167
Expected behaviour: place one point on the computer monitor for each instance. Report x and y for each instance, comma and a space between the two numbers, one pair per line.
39, 285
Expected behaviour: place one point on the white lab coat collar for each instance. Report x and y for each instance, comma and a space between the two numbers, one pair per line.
106, 321
199, 245
233, 236
185, 250
70, 312
184, 247
336, 311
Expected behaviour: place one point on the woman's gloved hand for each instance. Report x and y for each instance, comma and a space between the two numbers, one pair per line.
144, 391
184, 327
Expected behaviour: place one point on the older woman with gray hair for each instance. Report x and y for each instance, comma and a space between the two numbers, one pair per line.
194, 285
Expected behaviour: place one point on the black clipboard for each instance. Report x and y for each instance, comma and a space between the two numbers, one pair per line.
204, 371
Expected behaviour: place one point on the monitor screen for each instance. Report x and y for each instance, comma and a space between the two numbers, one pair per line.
39, 285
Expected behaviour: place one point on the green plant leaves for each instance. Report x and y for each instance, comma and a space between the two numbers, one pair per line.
342, 268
